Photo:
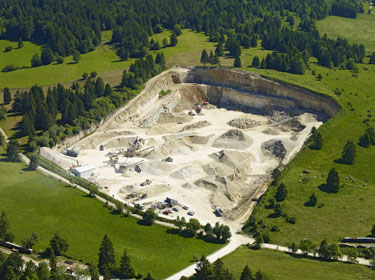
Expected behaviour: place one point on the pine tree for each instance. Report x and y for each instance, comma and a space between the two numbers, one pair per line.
125, 271
34, 162
312, 201
58, 244
76, 56
107, 262
7, 96
108, 90
323, 250
218, 269
149, 277
2, 139
52, 262
35, 61
99, 87
20, 43
46, 56
211, 58
204, 57
333, 181
204, 270
246, 274
281, 193
237, 62
364, 140
373, 231
216, 60
173, 39
259, 275
348, 153
219, 51
278, 210
27, 125
4, 226
255, 62
13, 151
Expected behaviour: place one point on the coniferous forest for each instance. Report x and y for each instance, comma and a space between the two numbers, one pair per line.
68, 26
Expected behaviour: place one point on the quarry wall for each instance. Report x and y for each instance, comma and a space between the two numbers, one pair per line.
245, 89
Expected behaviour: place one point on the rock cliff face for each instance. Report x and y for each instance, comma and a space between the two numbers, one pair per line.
245, 90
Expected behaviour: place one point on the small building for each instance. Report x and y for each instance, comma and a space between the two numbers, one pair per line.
83, 171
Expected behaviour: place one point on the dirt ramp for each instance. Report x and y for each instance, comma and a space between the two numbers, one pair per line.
197, 140
233, 139
167, 118
120, 142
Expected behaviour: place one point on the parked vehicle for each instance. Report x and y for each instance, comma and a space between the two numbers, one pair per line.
185, 207
175, 209
191, 213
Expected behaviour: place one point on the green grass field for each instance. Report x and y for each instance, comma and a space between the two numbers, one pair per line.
281, 266
102, 59
36, 203
349, 212
359, 30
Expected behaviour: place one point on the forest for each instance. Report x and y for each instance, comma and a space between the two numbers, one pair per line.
66, 27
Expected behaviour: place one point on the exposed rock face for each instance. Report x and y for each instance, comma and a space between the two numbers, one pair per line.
243, 89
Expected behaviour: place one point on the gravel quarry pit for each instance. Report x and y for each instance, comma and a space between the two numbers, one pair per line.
222, 157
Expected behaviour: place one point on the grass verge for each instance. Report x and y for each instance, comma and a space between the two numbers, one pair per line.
37, 203
281, 266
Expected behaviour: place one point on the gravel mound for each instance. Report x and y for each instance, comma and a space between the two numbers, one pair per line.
294, 125
279, 117
196, 125
275, 147
233, 139
243, 123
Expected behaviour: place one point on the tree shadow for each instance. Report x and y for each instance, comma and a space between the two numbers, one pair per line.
325, 188
183, 233
143, 223
273, 216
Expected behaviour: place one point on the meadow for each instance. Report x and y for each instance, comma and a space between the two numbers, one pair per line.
102, 60
281, 266
358, 30
36, 203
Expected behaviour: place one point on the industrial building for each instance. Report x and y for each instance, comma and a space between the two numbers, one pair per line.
83, 171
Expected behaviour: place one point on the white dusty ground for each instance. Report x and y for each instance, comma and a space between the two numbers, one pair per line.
214, 164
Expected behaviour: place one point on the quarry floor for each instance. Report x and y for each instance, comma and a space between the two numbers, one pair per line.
195, 156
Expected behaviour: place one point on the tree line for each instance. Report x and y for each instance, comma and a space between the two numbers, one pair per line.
51, 116
218, 271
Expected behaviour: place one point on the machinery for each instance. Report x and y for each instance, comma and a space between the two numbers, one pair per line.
71, 152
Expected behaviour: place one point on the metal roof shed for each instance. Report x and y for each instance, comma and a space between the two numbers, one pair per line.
83, 171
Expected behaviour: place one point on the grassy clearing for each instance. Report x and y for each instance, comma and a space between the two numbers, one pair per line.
102, 59
281, 266
17, 57
36, 203
359, 30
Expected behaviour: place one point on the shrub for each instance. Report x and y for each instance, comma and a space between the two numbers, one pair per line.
9, 68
